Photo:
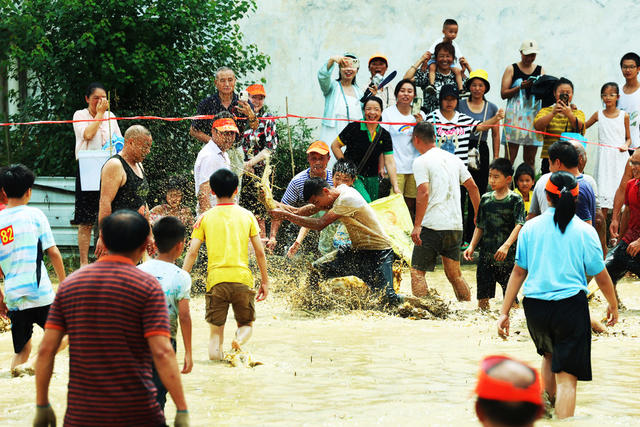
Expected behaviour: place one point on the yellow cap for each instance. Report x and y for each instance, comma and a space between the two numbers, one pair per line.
478, 74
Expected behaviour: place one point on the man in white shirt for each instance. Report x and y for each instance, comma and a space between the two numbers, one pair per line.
438, 222
629, 101
213, 156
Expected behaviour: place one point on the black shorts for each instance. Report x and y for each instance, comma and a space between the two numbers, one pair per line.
562, 328
434, 243
488, 273
87, 204
22, 324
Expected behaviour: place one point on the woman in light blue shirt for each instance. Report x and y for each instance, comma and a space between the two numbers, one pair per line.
555, 252
341, 97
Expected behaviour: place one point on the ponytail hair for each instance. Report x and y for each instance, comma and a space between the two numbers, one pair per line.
562, 189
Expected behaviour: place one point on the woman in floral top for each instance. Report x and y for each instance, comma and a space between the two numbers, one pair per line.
257, 145
445, 53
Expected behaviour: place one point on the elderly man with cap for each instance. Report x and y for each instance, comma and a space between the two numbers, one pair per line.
378, 65
509, 393
258, 144
123, 183
341, 96
213, 156
318, 158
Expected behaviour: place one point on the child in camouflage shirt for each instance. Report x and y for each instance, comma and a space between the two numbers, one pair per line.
500, 218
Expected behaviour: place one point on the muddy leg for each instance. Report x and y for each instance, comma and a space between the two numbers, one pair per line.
215, 342
566, 396
513, 152
22, 357
242, 336
419, 286
548, 377
454, 275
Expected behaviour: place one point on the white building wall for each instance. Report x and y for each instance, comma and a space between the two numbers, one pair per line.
582, 40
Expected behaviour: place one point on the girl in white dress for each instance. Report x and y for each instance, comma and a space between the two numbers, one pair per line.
614, 141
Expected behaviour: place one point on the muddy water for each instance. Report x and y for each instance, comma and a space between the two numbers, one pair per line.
367, 368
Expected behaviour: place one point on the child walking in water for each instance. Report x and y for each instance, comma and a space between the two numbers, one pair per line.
227, 229
614, 137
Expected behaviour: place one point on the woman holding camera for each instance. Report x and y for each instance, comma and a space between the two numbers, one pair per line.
560, 117
341, 96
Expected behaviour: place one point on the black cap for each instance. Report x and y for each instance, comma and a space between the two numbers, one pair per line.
449, 90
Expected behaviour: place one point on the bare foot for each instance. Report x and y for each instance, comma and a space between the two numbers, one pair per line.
21, 370
235, 345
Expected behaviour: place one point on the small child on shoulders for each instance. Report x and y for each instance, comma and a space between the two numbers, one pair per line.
525, 179
25, 236
169, 233
500, 218
450, 32
227, 230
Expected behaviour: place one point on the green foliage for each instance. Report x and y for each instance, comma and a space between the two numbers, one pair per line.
155, 57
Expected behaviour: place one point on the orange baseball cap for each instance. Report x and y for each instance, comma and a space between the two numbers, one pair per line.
225, 125
378, 55
256, 89
319, 147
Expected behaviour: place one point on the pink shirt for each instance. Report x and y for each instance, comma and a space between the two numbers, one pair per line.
101, 136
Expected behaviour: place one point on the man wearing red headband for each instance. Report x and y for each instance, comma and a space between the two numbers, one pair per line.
509, 393
213, 156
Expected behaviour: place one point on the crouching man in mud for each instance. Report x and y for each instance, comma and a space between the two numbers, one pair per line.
369, 257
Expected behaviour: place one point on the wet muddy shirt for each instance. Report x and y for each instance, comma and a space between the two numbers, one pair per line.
365, 231
497, 218
109, 309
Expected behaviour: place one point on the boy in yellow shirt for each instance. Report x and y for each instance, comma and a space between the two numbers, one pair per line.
227, 229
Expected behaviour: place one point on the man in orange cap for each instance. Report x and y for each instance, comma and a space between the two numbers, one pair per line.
509, 393
318, 158
213, 156
378, 65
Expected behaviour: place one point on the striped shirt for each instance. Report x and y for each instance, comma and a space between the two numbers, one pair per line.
24, 235
109, 309
293, 196
455, 137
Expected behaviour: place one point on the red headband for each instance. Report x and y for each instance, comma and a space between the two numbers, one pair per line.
552, 188
494, 389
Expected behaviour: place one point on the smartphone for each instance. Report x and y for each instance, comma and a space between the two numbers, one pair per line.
244, 96
564, 97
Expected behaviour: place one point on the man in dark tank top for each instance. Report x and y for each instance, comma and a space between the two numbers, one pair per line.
123, 184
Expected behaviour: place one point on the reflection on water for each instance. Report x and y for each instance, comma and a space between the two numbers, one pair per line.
366, 369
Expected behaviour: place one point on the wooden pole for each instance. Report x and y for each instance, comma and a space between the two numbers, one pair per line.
293, 168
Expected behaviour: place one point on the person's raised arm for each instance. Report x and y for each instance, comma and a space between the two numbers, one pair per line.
324, 73
411, 72
91, 130
256, 242
164, 359
184, 316
192, 255
56, 260
541, 122
199, 135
